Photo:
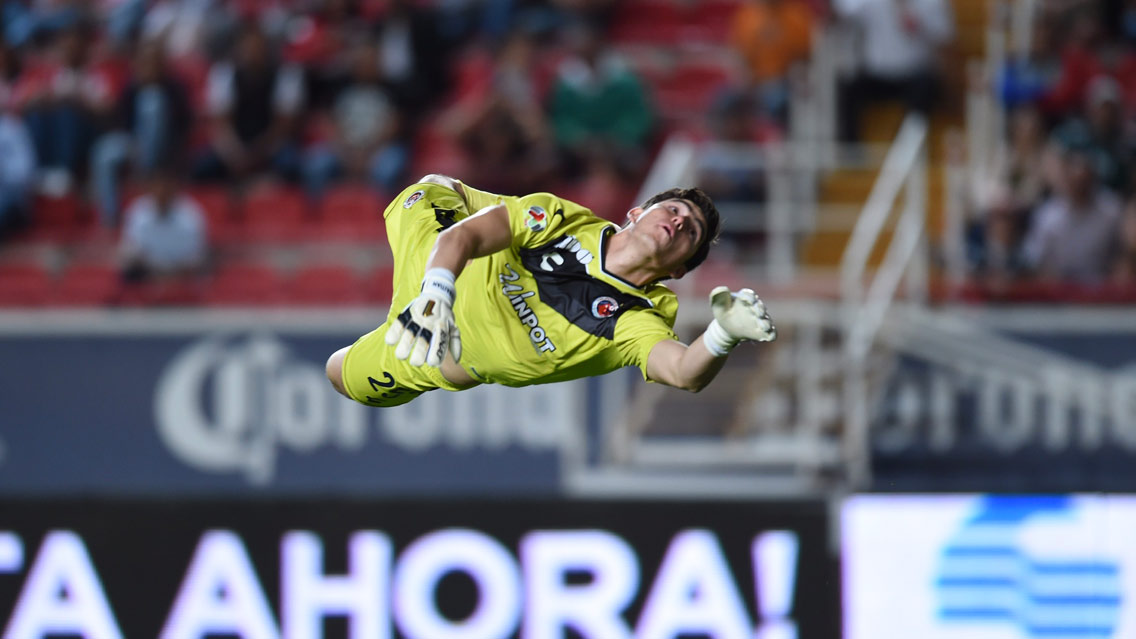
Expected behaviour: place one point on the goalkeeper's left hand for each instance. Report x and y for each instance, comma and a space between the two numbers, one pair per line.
426, 329
737, 316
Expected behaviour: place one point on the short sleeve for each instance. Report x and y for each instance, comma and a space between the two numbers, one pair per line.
638, 332
535, 219
478, 199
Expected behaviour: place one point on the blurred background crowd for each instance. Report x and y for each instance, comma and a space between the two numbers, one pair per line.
145, 138
1058, 204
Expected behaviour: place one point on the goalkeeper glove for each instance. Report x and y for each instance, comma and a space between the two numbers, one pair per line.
425, 329
737, 316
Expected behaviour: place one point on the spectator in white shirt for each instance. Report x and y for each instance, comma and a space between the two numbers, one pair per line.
1074, 235
164, 233
900, 42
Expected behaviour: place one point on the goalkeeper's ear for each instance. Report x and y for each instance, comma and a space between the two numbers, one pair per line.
633, 216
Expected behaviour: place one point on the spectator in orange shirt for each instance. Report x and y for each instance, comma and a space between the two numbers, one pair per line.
770, 36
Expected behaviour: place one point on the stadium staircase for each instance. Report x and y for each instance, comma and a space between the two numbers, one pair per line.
844, 190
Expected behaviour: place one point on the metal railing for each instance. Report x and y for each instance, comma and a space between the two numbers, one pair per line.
865, 305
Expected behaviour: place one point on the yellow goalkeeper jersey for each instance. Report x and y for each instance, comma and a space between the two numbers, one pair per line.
545, 310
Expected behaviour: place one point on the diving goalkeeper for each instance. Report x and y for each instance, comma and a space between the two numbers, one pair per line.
536, 289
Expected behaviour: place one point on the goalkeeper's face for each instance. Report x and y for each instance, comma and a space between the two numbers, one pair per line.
672, 231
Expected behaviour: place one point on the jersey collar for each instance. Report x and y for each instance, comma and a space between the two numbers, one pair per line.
604, 236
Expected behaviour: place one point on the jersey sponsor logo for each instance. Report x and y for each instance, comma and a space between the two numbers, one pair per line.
561, 273
536, 219
414, 197
572, 245
526, 315
604, 306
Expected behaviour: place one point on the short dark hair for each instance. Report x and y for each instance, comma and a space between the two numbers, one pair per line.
697, 197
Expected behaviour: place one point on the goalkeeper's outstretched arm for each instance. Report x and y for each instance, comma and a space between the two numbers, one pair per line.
737, 317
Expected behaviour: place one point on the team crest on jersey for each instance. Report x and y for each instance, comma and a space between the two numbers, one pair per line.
414, 197
536, 219
604, 307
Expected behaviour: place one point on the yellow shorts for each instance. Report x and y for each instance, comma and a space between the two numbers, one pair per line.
372, 374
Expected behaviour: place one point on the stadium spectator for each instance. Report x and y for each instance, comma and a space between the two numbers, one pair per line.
164, 232
1017, 178
1029, 77
771, 36
152, 121
184, 26
17, 172
994, 244
1101, 131
1072, 237
63, 101
414, 54
367, 139
255, 104
900, 48
601, 115
1080, 62
324, 42
726, 170
503, 130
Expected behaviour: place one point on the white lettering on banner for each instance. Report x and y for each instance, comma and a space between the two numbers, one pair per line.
1058, 408
481, 557
11, 552
62, 595
224, 405
307, 595
592, 609
693, 591
221, 594
775, 568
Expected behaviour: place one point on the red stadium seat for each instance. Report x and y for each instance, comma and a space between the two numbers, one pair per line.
646, 21
60, 219
434, 152
669, 22
352, 213
325, 285
378, 286
717, 15
243, 284
24, 284
689, 90
87, 284
217, 204
275, 215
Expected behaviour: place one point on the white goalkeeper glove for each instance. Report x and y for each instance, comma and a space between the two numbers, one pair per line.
737, 316
425, 329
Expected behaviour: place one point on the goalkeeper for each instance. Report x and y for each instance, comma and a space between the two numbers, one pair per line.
537, 289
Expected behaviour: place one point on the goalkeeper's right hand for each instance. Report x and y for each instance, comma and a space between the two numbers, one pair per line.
737, 316
425, 329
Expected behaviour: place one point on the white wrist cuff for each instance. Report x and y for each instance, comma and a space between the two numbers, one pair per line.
717, 340
440, 282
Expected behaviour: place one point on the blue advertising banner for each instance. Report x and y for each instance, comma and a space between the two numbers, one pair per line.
1049, 407
248, 410
989, 566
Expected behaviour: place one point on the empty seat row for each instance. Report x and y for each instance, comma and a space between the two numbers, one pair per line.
237, 284
267, 215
